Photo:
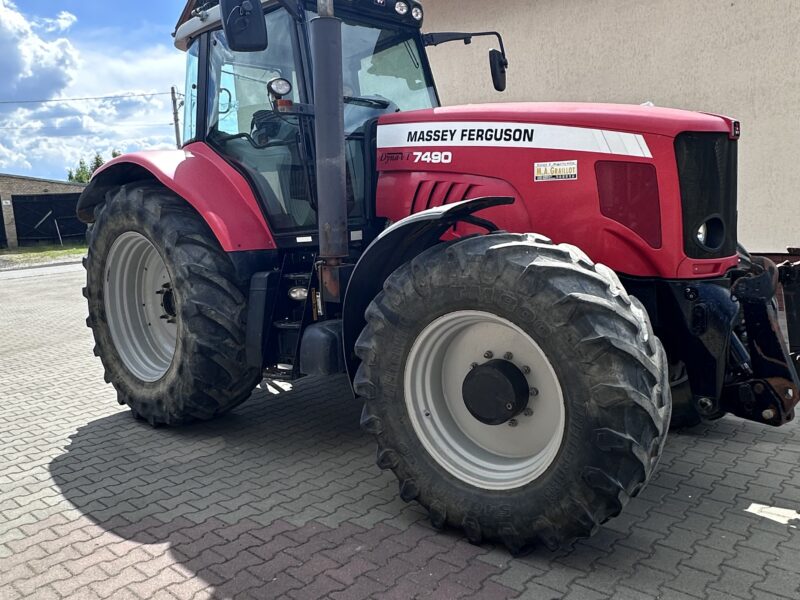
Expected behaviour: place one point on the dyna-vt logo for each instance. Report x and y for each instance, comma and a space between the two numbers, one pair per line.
390, 157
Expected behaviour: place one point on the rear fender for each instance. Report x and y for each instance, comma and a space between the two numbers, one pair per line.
219, 193
395, 247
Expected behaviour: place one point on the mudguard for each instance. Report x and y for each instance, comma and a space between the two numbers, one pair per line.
219, 193
396, 246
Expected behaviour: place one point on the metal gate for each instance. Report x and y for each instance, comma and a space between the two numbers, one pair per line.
48, 219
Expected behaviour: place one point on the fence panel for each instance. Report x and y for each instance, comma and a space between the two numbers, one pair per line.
3, 240
47, 219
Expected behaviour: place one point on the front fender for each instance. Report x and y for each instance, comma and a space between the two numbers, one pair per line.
219, 193
395, 247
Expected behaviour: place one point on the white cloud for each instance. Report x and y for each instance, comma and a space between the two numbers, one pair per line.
46, 139
63, 21
31, 66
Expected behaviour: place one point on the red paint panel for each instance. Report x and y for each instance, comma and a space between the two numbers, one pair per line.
567, 211
616, 117
629, 195
215, 189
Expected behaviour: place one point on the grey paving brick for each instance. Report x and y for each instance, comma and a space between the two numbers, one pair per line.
780, 582
691, 581
281, 499
579, 592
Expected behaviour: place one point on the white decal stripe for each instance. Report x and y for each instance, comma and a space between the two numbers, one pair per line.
548, 137
644, 147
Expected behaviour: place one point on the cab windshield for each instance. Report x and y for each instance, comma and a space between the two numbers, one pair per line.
383, 73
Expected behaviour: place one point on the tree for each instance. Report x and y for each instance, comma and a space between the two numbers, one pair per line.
97, 162
83, 172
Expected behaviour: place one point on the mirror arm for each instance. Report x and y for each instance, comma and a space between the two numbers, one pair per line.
434, 39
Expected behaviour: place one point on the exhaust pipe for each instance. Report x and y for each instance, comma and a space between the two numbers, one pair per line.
326, 52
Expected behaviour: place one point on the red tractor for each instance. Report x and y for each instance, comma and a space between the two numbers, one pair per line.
523, 295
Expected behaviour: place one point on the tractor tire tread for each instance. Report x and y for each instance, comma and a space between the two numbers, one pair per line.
210, 377
630, 414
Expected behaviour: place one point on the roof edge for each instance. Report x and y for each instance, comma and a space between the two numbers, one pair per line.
41, 180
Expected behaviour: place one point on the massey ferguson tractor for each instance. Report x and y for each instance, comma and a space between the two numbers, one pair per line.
524, 296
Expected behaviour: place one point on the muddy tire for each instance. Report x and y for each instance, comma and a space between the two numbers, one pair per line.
166, 309
593, 431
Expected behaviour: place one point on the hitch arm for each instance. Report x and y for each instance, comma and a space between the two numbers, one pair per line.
789, 277
772, 392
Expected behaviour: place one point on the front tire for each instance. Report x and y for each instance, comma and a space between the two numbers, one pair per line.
166, 309
597, 377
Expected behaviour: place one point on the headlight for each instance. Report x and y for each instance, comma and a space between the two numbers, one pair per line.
401, 8
711, 234
702, 234
279, 87
298, 293
417, 13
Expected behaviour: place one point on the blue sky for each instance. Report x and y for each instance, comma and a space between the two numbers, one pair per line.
99, 20
79, 48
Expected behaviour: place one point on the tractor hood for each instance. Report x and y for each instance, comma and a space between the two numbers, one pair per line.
616, 117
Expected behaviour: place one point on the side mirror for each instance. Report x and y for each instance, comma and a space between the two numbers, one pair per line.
244, 25
225, 106
499, 64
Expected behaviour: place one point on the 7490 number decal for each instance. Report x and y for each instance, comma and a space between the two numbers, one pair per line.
436, 158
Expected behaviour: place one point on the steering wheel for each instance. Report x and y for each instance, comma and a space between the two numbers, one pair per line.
266, 124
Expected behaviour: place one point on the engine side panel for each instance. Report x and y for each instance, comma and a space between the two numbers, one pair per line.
221, 195
424, 161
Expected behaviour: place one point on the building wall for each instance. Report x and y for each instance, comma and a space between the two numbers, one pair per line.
734, 57
13, 185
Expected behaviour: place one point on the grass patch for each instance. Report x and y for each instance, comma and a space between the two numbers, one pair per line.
34, 255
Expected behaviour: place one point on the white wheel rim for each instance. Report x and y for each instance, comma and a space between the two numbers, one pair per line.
136, 307
499, 457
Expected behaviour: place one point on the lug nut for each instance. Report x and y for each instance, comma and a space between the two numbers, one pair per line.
513, 423
488, 354
534, 392
473, 366
508, 356
528, 412
526, 370
768, 414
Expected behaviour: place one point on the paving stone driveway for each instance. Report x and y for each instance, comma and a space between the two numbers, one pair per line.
281, 499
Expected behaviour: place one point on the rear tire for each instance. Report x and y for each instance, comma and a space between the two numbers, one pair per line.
174, 353
610, 367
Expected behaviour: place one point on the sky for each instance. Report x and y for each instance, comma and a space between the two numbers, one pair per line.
78, 49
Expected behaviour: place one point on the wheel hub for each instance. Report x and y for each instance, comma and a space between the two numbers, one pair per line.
444, 360
168, 303
496, 392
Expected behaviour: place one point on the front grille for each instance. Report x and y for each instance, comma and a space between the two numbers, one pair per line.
707, 167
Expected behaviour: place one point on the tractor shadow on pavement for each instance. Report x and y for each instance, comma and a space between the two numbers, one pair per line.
283, 497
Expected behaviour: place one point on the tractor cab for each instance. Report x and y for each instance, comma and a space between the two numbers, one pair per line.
255, 108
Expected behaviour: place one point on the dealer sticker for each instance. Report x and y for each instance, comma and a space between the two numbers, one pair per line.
566, 170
